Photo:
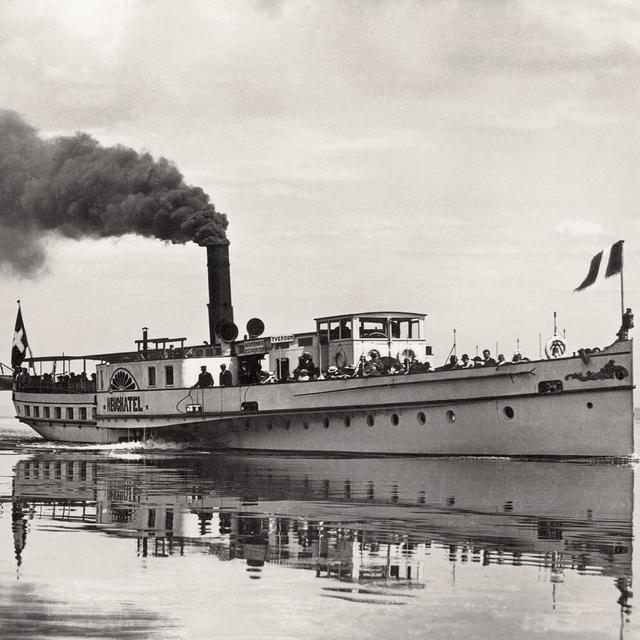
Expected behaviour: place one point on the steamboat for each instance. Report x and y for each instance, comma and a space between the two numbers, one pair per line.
364, 384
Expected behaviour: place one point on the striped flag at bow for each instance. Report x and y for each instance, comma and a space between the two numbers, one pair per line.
613, 258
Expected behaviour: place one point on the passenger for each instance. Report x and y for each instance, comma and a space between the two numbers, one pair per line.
205, 379
244, 376
47, 382
303, 376
427, 367
268, 377
374, 367
225, 377
465, 362
501, 359
305, 363
516, 357
627, 324
332, 372
488, 360
477, 362
452, 364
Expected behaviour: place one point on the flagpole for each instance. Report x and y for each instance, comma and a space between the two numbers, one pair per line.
621, 291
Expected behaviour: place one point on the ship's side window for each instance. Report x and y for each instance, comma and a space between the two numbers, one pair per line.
152, 376
101, 379
36, 412
57, 413
27, 410
94, 413
168, 375
46, 411
305, 342
69, 413
83, 413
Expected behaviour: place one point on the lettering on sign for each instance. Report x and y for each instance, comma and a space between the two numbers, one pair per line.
254, 347
277, 339
124, 404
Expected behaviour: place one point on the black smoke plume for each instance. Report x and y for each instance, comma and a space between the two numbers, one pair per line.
73, 187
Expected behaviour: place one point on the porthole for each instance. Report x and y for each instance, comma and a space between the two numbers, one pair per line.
422, 419
509, 412
589, 405
347, 421
395, 419
370, 420
451, 416
325, 423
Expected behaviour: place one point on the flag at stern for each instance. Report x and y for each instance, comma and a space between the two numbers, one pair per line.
613, 262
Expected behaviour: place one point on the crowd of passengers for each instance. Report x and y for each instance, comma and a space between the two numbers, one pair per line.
377, 365
487, 360
251, 372
49, 383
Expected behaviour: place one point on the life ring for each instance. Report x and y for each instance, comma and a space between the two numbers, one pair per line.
407, 354
340, 359
555, 347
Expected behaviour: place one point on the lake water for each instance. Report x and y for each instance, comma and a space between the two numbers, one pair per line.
156, 543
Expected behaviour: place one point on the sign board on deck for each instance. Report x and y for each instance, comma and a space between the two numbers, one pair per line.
279, 339
254, 347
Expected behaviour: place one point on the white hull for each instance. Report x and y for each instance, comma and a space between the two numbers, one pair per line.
489, 411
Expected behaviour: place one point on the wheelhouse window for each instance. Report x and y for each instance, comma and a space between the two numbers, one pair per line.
69, 413
405, 328
168, 375
46, 412
151, 373
57, 413
83, 413
36, 412
305, 342
336, 329
373, 328
27, 410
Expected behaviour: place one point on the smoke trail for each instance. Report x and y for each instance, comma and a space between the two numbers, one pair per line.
72, 186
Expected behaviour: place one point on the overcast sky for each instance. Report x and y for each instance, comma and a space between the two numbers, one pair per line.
461, 159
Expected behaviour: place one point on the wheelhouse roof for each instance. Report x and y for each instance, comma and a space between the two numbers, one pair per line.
373, 314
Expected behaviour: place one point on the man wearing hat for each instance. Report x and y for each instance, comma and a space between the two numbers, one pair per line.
226, 379
205, 379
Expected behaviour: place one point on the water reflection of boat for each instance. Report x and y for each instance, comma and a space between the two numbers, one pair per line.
366, 521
